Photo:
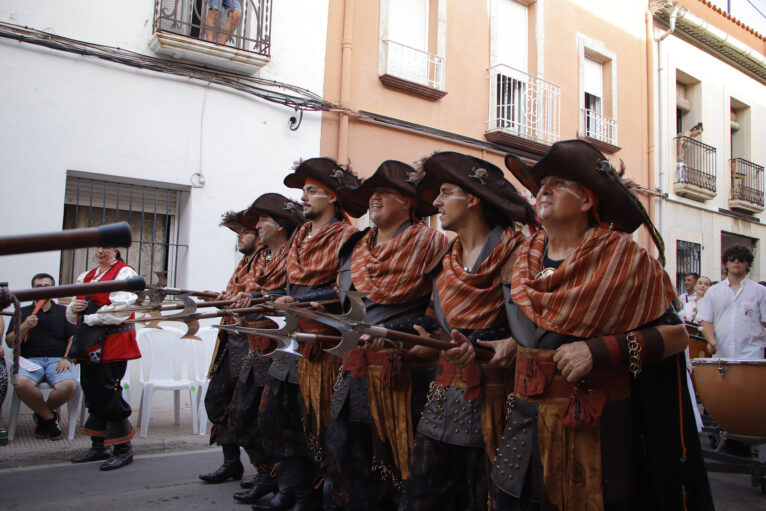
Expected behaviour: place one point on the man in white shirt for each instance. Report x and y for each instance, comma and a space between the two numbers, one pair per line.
690, 279
733, 312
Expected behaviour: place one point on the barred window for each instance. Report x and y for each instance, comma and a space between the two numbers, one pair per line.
688, 255
151, 208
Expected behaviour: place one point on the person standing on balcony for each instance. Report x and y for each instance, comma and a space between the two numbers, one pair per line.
681, 142
104, 346
233, 17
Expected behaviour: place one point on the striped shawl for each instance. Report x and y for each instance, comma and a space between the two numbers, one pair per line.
394, 272
314, 261
475, 300
270, 275
608, 285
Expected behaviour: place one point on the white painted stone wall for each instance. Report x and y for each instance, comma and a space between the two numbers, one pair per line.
691, 220
68, 112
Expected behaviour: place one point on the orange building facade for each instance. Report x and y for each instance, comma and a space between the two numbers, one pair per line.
485, 77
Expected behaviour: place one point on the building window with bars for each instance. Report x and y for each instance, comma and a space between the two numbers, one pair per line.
152, 209
688, 256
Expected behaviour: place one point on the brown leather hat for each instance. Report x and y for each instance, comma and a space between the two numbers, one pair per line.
390, 174
286, 212
327, 172
477, 177
233, 220
581, 162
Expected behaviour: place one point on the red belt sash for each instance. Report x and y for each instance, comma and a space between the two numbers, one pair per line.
537, 379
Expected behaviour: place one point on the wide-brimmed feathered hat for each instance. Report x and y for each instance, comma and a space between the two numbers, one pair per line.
390, 174
329, 174
284, 211
233, 220
477, 177
581, 162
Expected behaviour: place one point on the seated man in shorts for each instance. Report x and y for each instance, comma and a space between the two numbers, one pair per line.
46, 338
234, 16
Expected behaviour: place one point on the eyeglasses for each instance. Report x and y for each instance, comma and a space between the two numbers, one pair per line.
732, 258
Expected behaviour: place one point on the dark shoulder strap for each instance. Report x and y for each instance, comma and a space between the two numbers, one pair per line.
348, 246
435, 263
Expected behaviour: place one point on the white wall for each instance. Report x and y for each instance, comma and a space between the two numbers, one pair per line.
691, 220
68, 112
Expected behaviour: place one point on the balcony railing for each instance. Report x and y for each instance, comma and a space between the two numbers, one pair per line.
695, 165
413, 65
746, 182
523, 105
190, 18
599, 127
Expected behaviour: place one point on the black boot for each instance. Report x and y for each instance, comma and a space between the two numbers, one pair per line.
97, 451
231, 469
294, 476
123, 455
263, 484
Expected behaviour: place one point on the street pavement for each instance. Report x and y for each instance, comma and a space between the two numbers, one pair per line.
156, 481
169, 482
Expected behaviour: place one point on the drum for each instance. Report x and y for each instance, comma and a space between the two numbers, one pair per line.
734, 393
697, 342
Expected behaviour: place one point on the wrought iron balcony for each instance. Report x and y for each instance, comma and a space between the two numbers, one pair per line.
746, 186
415, 71
695, 169
600, 130
524, 110
231, 40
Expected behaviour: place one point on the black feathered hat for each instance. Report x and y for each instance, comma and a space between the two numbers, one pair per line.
477, 177
390, 174
581, 162
330, 175
233, 220
284, 211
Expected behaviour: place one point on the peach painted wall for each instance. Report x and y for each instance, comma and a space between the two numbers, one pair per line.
464, 109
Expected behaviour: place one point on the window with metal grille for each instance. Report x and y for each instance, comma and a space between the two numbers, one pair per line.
687, 261
152, 209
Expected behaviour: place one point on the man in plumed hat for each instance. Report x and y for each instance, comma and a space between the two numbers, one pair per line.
387, 262
594, 420
229, 355
458, 430
275, 218
292, 442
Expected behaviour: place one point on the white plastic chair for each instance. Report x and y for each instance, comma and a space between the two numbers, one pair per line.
72, 405
203, 352
160, 348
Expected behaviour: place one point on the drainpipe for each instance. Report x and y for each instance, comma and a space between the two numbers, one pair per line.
661, 136
671, 29
345, 79
650, 98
